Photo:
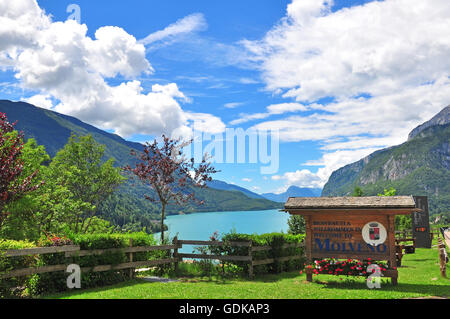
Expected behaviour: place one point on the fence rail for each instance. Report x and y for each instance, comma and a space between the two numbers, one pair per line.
245, 258
75, 251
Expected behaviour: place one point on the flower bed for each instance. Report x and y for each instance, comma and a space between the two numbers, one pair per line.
349, 267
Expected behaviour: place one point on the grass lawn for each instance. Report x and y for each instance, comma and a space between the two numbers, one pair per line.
418, 277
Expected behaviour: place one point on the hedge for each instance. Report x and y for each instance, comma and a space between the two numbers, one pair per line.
275, 240
57, 281
14, 287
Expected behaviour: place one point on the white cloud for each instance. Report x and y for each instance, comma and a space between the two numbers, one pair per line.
245, 179
300, 178
60, 61
40, 100
233, 105
328, 164
377, 48
19, 21
191, 23
248, 81
385, 65
271, 110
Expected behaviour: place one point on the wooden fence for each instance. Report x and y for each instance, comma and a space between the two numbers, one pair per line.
443, 257
74, 251
247, 258
434, 233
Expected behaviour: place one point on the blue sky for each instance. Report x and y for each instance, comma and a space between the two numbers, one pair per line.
338, 79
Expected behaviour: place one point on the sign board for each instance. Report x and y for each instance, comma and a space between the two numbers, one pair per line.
349, 236
421, 223
351, 227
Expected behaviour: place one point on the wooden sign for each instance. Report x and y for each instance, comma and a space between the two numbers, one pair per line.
421, 223
341, 236
360, 228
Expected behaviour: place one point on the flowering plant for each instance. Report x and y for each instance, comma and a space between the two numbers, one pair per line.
348, 267
53, 240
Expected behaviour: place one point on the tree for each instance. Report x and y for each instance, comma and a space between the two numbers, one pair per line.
357, 192
401, 221
389, 192
296, 224
25, 212
13, 183
164, 168
78, 168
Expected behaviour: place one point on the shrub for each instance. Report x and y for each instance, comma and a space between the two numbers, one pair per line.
276, 241
57, 281
14, 287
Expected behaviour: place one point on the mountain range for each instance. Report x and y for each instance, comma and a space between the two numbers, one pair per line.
420, 166
293, 191
128, 205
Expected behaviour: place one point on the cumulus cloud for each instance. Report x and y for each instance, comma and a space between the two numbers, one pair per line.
300, 178
384, 65
376, 48
59, 60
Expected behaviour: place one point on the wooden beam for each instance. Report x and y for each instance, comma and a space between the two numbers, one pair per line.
40, 250
218, 257
353, 211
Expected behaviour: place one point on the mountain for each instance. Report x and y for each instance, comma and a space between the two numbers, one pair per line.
293, 191
127, 206
216, 184
442, 118
420, 166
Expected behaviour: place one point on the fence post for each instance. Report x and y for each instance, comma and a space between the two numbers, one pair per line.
132, 270
442, 259
250, 263
175, 253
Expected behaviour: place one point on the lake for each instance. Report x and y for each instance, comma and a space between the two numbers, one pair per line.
200, 226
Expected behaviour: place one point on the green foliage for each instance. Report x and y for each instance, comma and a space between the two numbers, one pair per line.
357, 192
9, 286
79, 167
56, 281
296, 225
76, 181
275, 240
389, 192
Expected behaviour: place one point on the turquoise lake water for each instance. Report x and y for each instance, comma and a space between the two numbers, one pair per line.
200, 226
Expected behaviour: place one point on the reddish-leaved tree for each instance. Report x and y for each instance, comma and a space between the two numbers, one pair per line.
12, 184
163, 167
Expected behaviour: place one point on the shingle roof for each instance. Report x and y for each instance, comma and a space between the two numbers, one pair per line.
350, 202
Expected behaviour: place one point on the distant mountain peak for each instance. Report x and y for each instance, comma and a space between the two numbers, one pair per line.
442, 118
293, 191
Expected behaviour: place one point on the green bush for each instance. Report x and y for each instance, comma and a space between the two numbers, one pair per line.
14, 287
57, 281
276, 241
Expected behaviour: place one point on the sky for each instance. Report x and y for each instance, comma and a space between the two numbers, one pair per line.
332, 80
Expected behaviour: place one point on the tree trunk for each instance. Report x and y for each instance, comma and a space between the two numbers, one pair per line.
163, 211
